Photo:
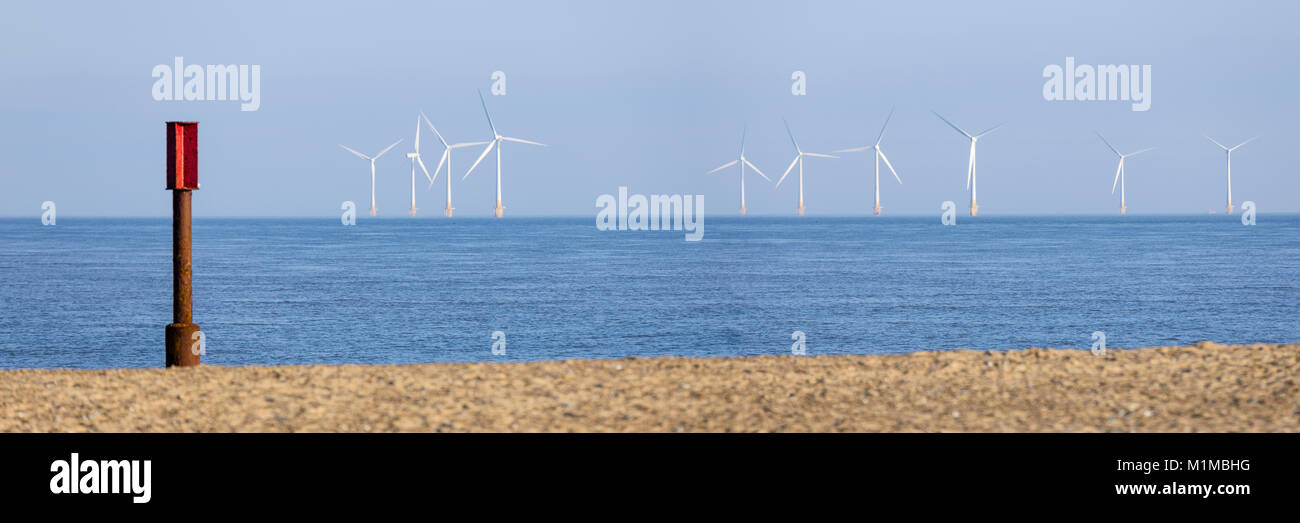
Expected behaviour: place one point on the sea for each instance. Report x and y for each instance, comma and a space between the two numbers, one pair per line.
95, 293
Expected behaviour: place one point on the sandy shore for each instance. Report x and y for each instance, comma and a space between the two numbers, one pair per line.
1207, 388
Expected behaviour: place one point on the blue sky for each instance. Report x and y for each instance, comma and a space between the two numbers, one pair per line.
648, 95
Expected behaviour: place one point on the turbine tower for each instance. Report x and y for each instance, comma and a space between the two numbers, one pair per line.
497, 140
798, 159
446, 158
743, 162
372, 169
1119, 172
880, 155
1228, 151
415, 158
970, 167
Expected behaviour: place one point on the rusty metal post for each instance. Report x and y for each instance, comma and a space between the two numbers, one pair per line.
182, 179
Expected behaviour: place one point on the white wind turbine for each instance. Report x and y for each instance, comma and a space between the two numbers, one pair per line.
970, 168
1119, 172
798, 159
496, 142
880, 155
446, 158
1229, 150
372, 169
415, 158
743, 162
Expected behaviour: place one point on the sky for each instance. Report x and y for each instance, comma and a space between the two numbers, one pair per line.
650, 95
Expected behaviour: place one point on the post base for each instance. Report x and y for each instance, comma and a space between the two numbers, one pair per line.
182, 345
372, 210
1229, 207
876, 211
412, 210
974, 209
742, 209
1123, 210
499, 209
800, 209
448, 210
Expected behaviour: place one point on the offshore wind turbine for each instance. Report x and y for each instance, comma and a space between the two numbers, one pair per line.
415, 158
743, 162
880, 155
497, 140
1119, 172
446, 158
1228, 151
372, 169
970, 167
798, 159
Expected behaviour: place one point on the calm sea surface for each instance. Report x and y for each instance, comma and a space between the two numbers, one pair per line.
96, 293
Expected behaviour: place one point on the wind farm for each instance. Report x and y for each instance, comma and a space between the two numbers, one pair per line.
798, 159
742, 161
1228, 152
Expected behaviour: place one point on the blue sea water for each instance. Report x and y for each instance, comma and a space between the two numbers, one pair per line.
96, 293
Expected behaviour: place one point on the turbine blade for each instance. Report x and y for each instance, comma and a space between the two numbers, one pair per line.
990, 129
724, 166
386, 149
423, 168
1108, 145
349, 149
788, 169
743, 131
882, 128
819, 155
791, 133
417, 134
467, 144
953, 125
485, 113
445, 154
1243, 143
1117, 171
486, 150
1216, 142
755, 168
434, 129
517, 140
1129, 155
855, 149
890, 166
